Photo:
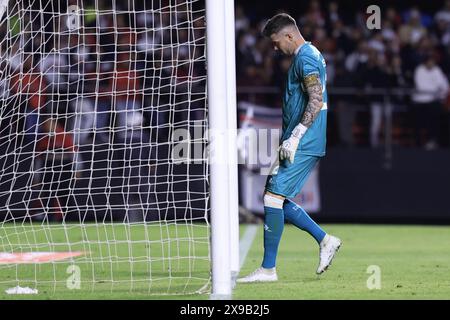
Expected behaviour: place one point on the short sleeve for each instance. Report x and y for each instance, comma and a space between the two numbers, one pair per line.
309, 64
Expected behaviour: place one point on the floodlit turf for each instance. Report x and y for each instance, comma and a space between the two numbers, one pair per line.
414, 262
120, 261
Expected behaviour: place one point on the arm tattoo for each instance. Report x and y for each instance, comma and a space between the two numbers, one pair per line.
314, 89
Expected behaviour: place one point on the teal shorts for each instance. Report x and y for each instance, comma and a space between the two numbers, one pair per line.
288, 179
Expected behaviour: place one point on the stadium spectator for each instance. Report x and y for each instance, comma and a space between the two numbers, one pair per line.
344, 109
242, 22
29, 90
357, 57
314, 15
83, 121
407, 36
28, 84
84, 63
432, 87
443, 15
411, 32
253, 77
374, 76
56, 161
125, 88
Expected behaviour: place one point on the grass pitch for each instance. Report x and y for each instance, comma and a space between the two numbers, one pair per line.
120, 261
414, 263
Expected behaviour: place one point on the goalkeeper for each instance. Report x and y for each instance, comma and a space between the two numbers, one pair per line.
303, 144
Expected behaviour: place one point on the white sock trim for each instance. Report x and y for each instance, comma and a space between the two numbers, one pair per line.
269, 271
273, 202
325, 239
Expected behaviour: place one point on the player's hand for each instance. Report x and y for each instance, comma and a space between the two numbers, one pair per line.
288, 148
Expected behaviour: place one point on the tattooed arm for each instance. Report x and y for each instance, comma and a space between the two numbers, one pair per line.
315, 103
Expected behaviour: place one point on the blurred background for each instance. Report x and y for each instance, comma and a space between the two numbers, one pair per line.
389, 105
114, 80
121, 84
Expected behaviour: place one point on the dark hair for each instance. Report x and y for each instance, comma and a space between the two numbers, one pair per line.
277, 23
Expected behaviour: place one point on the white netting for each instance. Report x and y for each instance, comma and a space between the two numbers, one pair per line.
92, 97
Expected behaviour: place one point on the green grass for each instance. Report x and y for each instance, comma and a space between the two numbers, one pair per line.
120, 261
414, 262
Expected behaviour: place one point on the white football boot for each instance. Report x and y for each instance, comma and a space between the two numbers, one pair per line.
328, 248
260, 275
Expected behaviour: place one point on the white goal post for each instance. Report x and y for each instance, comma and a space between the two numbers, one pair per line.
3, 7
224, 183
107, 111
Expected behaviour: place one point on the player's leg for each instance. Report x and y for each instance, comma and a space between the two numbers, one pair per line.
301, 170
329, 245
295, 176
273, 229
298, 217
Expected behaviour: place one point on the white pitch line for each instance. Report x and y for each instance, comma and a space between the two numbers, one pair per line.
244, 247
246, 243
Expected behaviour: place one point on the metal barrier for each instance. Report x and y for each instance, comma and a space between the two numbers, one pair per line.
387, 93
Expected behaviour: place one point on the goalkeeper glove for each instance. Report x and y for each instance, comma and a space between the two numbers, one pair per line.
289, 146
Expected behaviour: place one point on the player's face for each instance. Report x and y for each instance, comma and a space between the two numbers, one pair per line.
283, 42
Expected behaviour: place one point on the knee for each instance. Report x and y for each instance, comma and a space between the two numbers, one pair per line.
273, 201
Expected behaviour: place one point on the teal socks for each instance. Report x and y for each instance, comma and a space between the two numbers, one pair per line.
297, 216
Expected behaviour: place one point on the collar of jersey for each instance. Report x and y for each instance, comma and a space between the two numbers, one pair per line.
301, 46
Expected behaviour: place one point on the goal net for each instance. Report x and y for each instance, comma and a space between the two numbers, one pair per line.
101, 105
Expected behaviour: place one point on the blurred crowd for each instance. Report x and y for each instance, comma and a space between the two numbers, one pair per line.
134, 70
126, 75
410, 53
72, 83
102, 74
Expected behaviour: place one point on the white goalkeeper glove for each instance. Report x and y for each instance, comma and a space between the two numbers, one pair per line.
289, 146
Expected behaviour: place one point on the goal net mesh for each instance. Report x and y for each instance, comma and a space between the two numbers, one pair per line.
102, 105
